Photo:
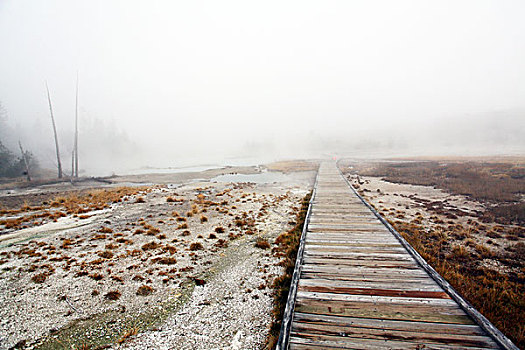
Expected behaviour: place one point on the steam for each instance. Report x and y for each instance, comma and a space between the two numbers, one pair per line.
181, 83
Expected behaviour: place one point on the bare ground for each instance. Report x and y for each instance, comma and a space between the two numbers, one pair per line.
133, 267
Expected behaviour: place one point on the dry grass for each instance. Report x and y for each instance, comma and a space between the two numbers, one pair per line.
498, 296
127, 334
288, 245
262, 243
39, 278
493, 183
221, 243
150, 246
144, 290
106, 254
196, 246
490, 275
166, 261
75, 203
112, 295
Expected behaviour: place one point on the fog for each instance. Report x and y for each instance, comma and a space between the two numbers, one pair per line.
176, 83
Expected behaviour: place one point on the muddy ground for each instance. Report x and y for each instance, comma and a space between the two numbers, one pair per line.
170, 264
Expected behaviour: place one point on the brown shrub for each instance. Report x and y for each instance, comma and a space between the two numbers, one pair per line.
196, 246
97, 237
112, 295
106, 254
96, 276
129, 333
144, 290
138, 278
171, 249
152, 231
39, 278
167, 261
150, 246
221, 243
262, 243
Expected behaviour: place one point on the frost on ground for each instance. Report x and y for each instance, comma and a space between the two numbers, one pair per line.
167, 267
230, 312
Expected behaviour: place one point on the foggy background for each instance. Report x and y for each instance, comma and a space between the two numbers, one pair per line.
176, 83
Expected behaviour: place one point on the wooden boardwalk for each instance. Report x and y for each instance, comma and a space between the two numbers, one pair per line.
359, 287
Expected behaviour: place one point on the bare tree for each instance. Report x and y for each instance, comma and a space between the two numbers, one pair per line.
75, 147
26, 161
72, 166
59, 163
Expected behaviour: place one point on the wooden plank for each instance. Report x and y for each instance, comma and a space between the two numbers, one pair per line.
377, 289
361, 262
384, 310
388, 325
328, 297
351, 237
368, 271
347, 254
358, 227
372, 287
352, 243
358, 249
301, 341
377, 333
377, 236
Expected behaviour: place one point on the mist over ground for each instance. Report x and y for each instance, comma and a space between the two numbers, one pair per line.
173, 83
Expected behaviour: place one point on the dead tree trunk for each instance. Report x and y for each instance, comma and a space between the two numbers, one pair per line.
59, 163
72, 166
75, 148
26, 162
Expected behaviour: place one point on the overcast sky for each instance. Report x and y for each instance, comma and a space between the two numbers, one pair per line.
192, 77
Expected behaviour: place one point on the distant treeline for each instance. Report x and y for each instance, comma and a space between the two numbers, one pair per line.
12, 165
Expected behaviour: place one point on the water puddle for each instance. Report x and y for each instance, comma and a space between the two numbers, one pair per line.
172, 170
263, 177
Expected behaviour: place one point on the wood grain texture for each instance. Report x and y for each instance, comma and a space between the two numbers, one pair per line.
359, 287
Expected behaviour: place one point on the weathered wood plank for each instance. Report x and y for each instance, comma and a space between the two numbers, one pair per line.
369, 286
386, 310
319, 342
376, 299
364, 270
377, 333
379, 262
360, 249
360, 287
349, 254
389, 325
